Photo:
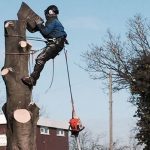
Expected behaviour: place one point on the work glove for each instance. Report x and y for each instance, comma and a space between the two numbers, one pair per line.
38, 21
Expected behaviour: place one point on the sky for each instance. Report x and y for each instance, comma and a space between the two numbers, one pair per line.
86, 22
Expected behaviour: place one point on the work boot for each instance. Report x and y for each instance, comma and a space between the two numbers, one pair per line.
29, 81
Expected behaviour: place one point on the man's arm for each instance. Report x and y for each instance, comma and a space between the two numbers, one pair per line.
45, 29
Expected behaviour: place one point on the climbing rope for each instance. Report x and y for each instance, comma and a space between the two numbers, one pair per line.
28, 37
51, 79
72, 101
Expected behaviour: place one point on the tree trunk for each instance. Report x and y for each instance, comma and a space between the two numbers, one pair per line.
20, 113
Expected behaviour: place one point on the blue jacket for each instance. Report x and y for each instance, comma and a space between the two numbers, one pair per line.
52, 29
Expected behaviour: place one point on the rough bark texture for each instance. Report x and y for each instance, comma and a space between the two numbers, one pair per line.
20, 135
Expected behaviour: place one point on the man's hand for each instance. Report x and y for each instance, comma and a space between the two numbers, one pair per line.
38, 20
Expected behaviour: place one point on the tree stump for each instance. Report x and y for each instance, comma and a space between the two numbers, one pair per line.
20, 113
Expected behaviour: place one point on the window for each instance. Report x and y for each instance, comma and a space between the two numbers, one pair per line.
3, 140
60, 132
44, 130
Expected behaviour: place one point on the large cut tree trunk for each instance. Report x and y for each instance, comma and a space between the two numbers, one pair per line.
20, 113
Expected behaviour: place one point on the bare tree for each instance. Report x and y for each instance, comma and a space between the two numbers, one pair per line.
87, 142
130, 64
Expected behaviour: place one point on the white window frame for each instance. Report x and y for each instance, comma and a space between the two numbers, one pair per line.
44, 130
60, 132
3, 140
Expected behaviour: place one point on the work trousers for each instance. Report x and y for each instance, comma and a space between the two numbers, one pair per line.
51, 50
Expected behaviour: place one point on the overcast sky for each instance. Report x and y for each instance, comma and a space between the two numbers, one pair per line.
85, 22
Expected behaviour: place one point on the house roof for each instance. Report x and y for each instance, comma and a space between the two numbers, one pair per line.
43, 122
52, 123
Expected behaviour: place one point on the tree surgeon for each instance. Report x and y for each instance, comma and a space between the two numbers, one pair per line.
53, 32
75, 126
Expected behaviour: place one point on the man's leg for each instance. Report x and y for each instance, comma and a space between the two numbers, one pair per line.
39, 65
50, 52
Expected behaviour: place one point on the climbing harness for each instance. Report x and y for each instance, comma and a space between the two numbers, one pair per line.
74, 117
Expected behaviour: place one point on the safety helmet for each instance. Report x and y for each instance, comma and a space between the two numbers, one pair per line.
52, 8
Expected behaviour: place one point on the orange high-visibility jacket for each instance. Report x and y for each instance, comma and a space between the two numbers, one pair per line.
75, 123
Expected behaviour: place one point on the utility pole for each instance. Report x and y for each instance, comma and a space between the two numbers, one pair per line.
110, 113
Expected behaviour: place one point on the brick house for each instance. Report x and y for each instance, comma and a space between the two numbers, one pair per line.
50, 134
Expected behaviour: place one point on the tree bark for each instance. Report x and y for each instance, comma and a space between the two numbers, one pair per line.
20, 113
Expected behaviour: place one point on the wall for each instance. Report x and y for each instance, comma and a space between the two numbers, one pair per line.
45, 142
52, 141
